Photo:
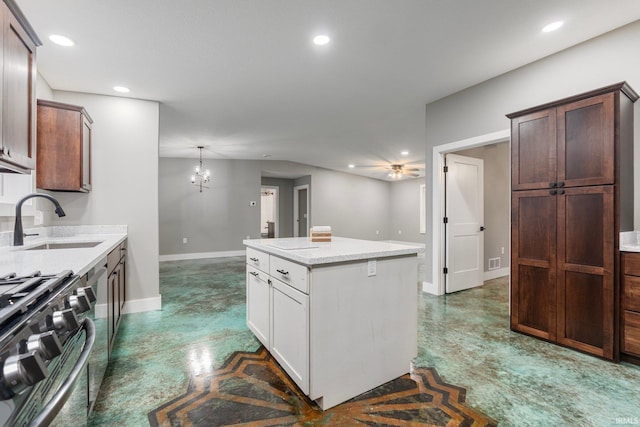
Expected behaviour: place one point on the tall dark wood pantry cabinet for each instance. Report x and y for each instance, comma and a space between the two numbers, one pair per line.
572, 194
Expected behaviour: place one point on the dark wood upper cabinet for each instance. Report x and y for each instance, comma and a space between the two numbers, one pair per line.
533, 150
572, 194
64, 147
17, 91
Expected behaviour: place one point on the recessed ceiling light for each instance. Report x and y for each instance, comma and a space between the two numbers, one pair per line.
405, 153
553, 26
61, 40
351, 166
121, 89
321, 39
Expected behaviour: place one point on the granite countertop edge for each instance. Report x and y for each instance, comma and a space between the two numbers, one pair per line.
22, 261
340, 249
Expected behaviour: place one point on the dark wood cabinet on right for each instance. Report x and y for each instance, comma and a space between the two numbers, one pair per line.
572, 194
630, 308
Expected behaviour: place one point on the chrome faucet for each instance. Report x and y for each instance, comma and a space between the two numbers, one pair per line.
18, 233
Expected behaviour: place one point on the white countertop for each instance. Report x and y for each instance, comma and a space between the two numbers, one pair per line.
630, 241
16, 259
340, 249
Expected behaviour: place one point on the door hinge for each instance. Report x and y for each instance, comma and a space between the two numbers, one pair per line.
446, 169
445, 220
445, 270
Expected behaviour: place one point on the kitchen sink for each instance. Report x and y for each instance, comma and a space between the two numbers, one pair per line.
65, 245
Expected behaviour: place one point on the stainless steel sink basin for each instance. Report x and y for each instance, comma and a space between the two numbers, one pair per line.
65, 245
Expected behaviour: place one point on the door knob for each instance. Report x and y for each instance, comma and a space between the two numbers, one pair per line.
482, 228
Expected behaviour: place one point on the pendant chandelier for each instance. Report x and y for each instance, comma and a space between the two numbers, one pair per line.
200, 176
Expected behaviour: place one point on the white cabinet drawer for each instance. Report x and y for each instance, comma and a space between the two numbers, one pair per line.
292, 274
258, 259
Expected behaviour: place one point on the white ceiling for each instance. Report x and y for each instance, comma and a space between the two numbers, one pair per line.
242, 78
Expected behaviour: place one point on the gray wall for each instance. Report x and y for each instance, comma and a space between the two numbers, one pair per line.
220, 218
124, 174
285, 204
404, 202
481, 109
497, 169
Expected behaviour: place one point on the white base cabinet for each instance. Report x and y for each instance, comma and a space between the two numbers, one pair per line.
258, 306
290, 339
351, 331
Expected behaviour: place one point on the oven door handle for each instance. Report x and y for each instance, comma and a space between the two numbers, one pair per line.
50, 411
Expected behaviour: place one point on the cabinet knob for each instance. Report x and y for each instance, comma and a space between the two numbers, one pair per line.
552, 184
284, 273
253, 273
254, 259
560, 192
560, 184
553, 192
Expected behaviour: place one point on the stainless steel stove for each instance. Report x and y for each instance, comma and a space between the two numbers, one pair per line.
45, 341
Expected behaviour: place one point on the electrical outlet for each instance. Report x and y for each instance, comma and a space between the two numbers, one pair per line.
184, 240
371, 267
248, 237
399, 231
377, 231
502, 250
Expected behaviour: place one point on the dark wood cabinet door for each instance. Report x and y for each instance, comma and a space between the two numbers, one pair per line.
533, 150
586, 265
586, 141
533, 263
64, 147
18, 95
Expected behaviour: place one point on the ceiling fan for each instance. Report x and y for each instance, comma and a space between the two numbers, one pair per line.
397, 170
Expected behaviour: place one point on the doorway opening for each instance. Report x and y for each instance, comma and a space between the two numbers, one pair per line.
437, 287
301, 211
269, 212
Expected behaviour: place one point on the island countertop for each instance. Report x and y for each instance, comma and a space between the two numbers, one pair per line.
340, 249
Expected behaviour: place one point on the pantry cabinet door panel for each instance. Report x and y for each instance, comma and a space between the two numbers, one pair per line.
533, 150
586, 147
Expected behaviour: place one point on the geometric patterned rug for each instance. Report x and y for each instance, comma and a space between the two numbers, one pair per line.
251, 389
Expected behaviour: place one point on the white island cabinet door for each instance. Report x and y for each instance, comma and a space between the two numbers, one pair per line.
290, 333
258, 304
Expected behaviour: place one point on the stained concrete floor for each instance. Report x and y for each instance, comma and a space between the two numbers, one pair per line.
515, 379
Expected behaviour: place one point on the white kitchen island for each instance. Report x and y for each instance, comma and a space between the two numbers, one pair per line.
340, 317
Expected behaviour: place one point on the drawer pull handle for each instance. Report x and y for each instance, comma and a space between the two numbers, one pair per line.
254, 273
254, 259
284, 273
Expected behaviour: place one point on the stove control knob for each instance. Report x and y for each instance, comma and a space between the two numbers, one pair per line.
88, 291
80, 303
65, 320
46, 344
24, 369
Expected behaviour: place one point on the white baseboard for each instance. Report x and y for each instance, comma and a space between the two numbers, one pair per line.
133, 306
429, 288
201, 255
494, 274
140, 305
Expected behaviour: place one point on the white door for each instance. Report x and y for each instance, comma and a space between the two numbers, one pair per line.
300, 210
464, 210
